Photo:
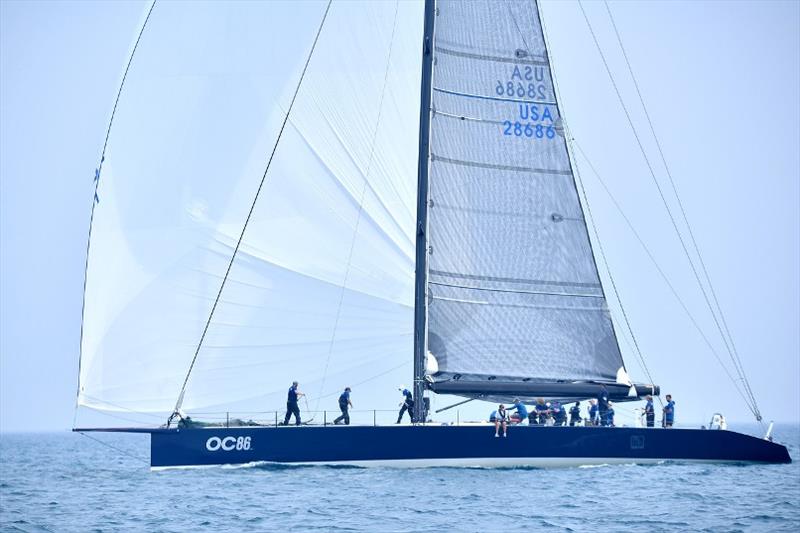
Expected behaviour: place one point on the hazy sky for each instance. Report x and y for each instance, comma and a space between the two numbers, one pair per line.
722, 84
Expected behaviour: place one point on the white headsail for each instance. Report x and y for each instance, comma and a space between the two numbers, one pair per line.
321, 289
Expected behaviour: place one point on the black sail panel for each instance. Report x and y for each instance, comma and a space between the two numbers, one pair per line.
513, 289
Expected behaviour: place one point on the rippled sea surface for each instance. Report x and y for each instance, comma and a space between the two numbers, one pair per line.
67, 482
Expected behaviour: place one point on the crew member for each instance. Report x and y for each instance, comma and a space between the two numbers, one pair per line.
522, 412
542, 411
610, 415
407, 405
669, 412
649, 412
344, 404
602, 404
593, 412
575, 414
291, 404
500, 419
559, 415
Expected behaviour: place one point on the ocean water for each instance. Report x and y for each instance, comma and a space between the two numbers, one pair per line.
67, 482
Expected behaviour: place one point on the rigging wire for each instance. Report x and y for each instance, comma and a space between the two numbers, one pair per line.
753, 407
579, 181
360, 207
110, 414
608, 269
353, 385
138, 422
372, 378
122, 407
735, 354
95, 199
313, 413
115, 448
661, 272
179, 402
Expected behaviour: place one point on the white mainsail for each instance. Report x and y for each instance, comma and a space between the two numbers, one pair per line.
514, 291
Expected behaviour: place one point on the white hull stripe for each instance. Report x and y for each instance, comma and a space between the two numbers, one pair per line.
470, 462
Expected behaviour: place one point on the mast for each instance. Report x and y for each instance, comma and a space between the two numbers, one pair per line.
420, 291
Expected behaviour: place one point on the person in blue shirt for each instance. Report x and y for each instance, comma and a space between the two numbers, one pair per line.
291, 404
559, 415
649, 412
602, 404
493, 416
593, 412
407, 405
522, 411
610, 415
669, 412
575, 414
344, 404
542, 411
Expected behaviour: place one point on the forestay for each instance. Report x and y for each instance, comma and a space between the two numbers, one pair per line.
513, 289
321, 289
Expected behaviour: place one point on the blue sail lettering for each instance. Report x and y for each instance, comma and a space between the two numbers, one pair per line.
516, 74
533, 113
539, 74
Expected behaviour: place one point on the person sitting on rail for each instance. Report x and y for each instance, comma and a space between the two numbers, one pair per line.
610, 415
501, 419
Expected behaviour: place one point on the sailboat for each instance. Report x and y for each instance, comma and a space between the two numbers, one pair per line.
352, 194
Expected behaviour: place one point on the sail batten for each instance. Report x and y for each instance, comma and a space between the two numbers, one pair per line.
513, 288
515, 60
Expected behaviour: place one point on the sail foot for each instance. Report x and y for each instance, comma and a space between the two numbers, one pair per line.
496, 390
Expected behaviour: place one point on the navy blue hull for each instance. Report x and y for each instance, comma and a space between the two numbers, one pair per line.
454, 445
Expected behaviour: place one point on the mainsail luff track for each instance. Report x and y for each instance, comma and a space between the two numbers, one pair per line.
421, 281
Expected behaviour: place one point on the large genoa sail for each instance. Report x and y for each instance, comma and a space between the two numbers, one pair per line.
514, 296
321, 289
